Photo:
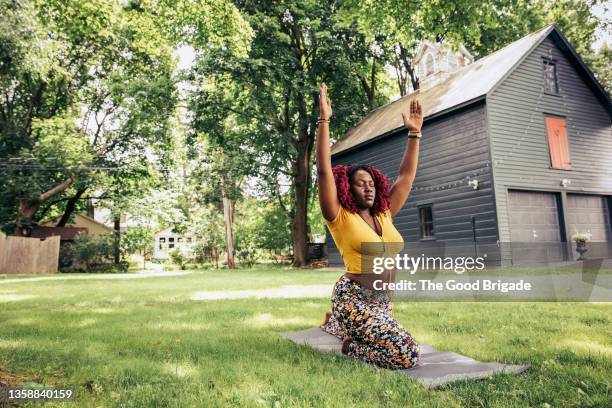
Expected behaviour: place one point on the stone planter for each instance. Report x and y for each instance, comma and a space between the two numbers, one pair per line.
581, 249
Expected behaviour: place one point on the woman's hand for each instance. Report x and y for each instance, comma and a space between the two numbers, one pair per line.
400, 190
328, 195
415, 121
325, 109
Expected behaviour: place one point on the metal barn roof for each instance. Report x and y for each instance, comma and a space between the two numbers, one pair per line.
463, 86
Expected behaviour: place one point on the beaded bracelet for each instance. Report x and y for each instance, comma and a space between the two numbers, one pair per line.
414, 135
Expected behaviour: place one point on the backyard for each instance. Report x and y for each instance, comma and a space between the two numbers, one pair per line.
204, 338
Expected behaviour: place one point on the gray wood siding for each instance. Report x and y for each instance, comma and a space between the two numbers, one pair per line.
519, 145
452, 149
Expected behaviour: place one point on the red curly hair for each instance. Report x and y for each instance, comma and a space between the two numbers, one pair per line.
342, 176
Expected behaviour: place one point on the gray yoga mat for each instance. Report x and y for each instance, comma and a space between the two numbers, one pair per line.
434, 369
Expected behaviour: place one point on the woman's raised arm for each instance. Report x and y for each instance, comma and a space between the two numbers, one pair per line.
328, 195
401, 188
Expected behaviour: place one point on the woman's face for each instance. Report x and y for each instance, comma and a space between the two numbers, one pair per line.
363, 190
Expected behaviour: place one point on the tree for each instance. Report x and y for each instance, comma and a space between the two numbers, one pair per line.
275, 94
216, 143
397, 26
601, 62
87, 88
210, 232
262, 225
139, 240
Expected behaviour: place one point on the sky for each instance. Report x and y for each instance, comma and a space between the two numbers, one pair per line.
604, 12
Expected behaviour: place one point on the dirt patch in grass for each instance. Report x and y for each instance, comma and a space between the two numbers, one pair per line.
8, 378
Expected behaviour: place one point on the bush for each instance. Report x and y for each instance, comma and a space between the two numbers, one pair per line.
178, 258
205, 252
93, 253
247, 255
66, 255
138, 240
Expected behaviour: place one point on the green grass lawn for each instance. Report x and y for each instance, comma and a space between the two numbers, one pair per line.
146, 343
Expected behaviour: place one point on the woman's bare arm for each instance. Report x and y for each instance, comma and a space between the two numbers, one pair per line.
328, 195
401, 188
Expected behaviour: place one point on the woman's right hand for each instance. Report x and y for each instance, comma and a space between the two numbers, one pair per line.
325, 109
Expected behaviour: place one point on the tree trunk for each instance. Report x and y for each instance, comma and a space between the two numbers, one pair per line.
229, 238
117, 227
370, 88
27, 209
90, 208
70, 207
25, 214
299, 227
405, 71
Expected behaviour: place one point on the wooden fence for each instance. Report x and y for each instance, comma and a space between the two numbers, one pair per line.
29, 255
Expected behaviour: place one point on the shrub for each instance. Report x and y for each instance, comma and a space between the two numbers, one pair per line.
247, 255
93, 253
138, 240
66, 255
178, 258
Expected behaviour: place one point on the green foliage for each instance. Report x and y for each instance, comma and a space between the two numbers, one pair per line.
247, 254
138, 240
395, 27
261, 226
93, 253
58, 142
87, 84
260, 108
316, 222
601, 63
202, 252
200, 23
208, 227
178, 258
66, 256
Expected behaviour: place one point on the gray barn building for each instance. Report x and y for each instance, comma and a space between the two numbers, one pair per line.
516, 154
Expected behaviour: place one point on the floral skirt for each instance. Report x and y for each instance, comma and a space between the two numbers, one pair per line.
364, 316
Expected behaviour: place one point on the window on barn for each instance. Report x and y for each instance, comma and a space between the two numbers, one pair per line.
429, 64
162, 242
551, 82
426, 221
179, 240
171, 242
189, 240
558, 146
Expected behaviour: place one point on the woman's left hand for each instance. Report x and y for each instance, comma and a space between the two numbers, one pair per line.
414, 121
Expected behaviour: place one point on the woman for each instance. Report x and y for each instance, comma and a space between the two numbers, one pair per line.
358, 208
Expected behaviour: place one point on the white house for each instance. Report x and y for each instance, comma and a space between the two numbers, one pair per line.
167, 241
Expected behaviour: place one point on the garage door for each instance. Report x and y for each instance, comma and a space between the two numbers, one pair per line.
590, 213
534, 227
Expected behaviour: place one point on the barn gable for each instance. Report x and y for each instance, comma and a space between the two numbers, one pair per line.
465, 86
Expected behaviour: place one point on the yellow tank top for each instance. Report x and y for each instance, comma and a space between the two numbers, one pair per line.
359, 244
